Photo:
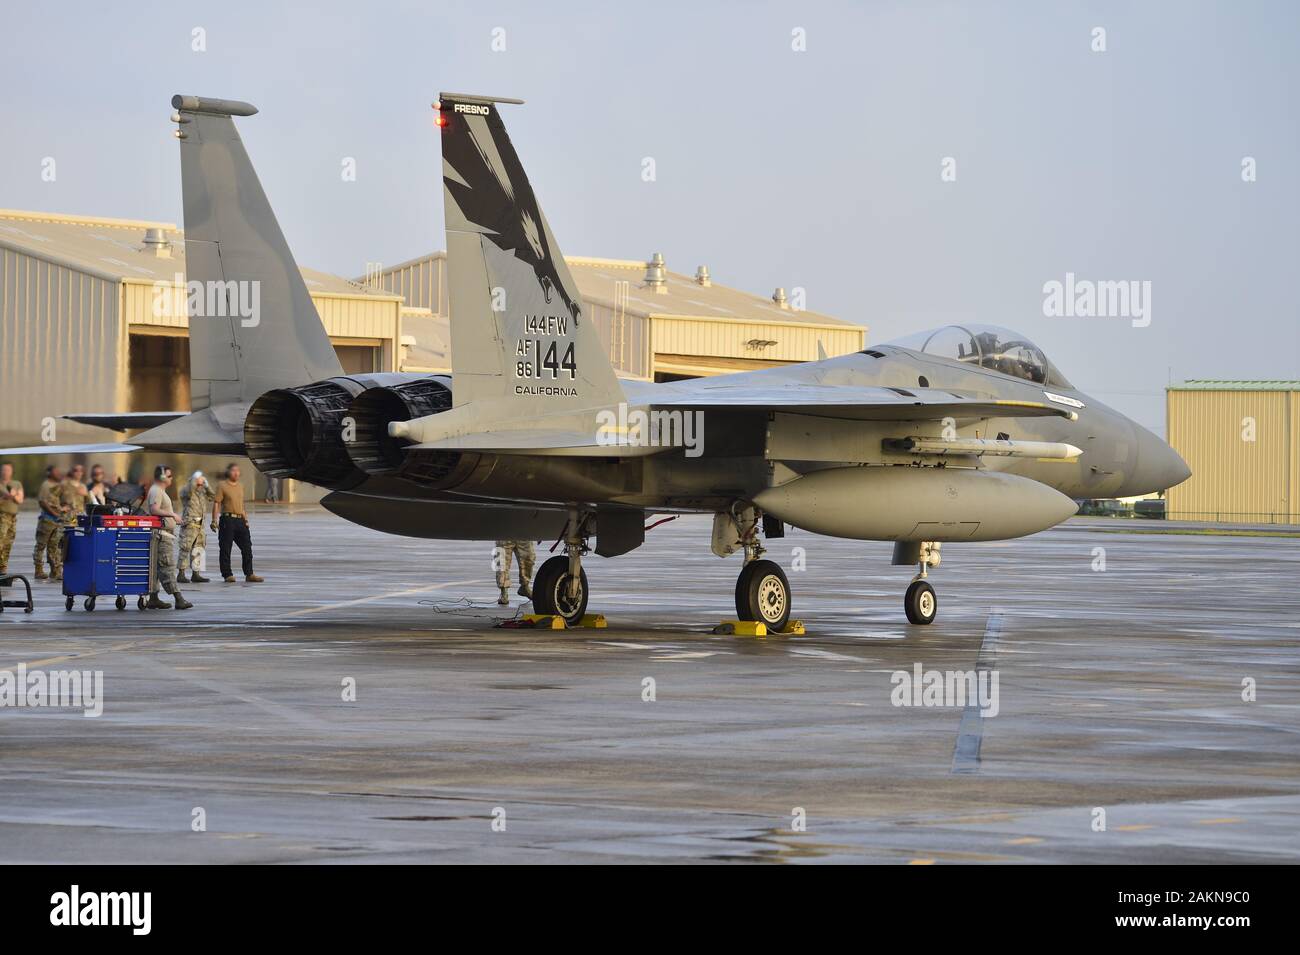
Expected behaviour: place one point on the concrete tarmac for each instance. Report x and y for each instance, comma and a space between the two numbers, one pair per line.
1119, 700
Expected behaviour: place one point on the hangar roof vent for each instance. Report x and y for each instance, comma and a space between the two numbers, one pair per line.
157, 243
656, 276
702, 276
779, 297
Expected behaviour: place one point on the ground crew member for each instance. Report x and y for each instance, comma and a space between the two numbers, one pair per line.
11, 495
74, 494
49, 526
196, 498
230, 521
526, 554
98, 488
160, 505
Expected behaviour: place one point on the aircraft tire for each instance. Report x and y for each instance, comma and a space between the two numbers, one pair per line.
921, 603
550, 591
763, 594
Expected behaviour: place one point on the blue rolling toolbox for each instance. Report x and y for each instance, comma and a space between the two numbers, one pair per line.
109, 555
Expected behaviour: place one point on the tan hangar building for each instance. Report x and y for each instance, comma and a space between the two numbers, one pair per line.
1242, 441
658, 325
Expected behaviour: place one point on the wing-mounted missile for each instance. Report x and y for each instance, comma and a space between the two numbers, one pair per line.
1053, 450
916, 504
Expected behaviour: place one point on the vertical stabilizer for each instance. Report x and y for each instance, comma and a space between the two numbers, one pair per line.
518, 331
253, 326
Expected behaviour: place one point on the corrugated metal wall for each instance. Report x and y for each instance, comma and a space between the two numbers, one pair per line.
419, 282
60, 347
343, 316
1234, 478
731, 339
625, 337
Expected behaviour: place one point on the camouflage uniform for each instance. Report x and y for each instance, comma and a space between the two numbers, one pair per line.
198, 502
49, 530
74, 495
8, 524
527, 556
164, 544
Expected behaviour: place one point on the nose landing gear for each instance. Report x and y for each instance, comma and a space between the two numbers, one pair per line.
921, 603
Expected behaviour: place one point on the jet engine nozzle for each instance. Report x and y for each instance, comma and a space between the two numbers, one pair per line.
373, 447
299, 433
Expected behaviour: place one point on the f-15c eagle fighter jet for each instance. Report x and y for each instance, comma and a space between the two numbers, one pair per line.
967, 433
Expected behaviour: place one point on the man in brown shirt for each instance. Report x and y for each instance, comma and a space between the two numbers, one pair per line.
230, 521
11, 495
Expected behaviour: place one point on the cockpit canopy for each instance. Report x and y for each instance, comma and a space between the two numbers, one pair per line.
989, 346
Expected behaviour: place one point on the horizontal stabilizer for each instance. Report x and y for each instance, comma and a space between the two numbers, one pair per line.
125, 421
71, 449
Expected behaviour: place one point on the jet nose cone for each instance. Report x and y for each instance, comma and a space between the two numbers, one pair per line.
1158, 467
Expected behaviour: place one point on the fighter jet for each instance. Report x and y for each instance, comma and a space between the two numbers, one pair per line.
966, 433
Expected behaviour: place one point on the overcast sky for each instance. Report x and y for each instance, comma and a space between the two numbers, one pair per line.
818, 168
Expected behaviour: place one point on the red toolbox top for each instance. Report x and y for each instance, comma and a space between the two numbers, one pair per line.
128, 520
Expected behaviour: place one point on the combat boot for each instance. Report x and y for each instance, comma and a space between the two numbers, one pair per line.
181, 602
504, 598
156, 603
181, 578
197, 578
525, 591
254, 579
40, 572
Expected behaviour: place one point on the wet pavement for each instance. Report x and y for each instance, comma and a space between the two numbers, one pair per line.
1119, 700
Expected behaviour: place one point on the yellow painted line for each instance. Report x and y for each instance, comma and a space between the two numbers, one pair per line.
1024, 841
1226, 820
1134, 828
365, 600
77, 656
921, 862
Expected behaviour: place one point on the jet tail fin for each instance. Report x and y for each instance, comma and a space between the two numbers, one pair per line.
257, 328
520, 337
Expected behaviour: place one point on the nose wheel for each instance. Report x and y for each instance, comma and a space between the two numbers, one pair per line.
920, 602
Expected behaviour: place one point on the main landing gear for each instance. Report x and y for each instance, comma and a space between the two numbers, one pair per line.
560, 587
762, 590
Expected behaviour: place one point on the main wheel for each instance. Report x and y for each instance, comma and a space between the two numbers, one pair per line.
920, 602
763, 593
551, 591
120, 602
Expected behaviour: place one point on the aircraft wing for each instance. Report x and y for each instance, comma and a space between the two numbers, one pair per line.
856, 402
124, 421
72, 449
